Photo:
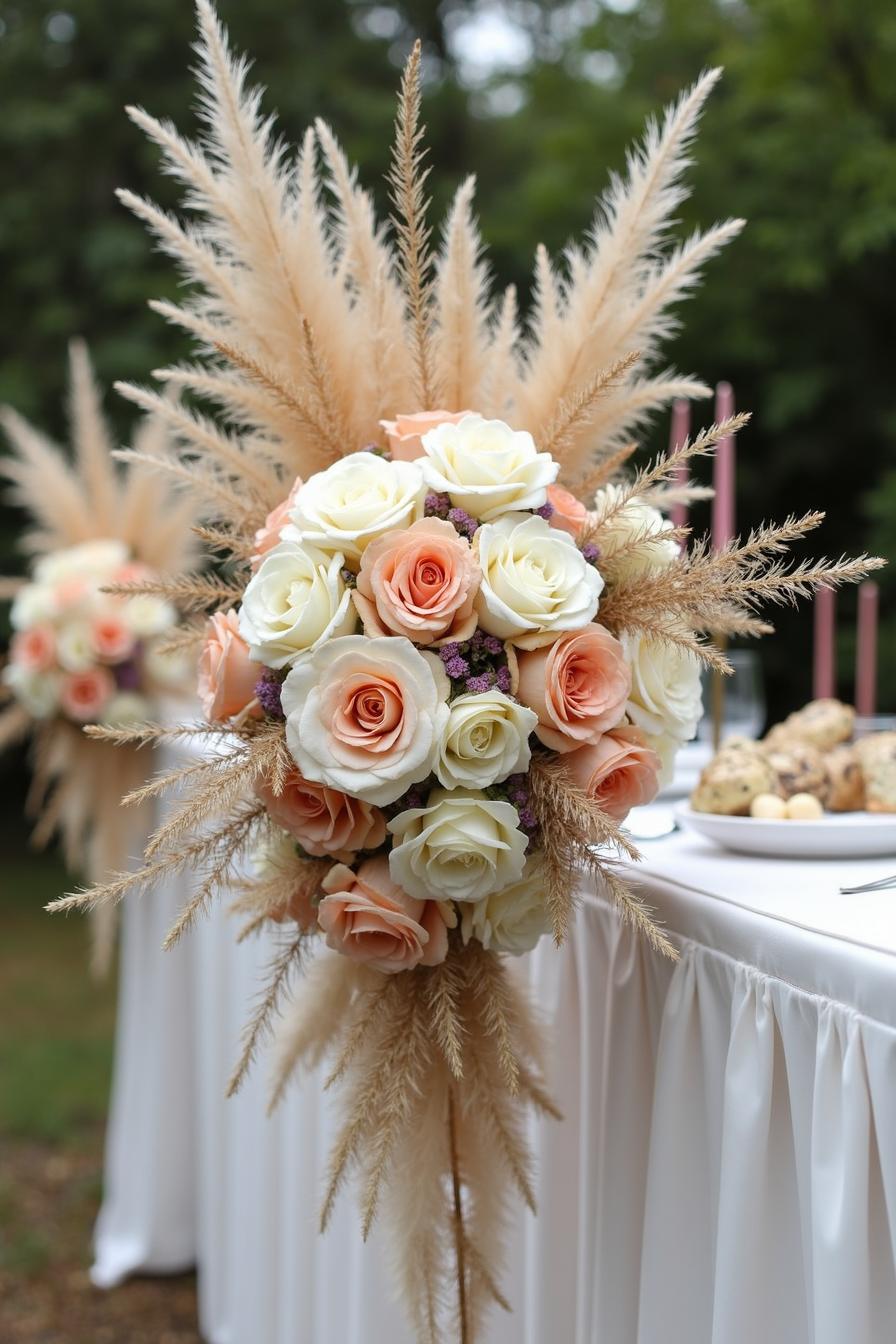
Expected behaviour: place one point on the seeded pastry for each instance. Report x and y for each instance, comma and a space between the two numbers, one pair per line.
845, 779
822, 723
800, 769
729, 784
877, 755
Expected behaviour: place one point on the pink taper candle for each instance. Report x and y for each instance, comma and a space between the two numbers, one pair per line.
866, 650
723, 473
679, 431
824, 676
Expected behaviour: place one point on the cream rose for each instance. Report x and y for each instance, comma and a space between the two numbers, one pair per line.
665, 697
147, 615
513, 919
486, 467
365, 716
127, 708
405, 433
90, 560
356, 500
37, 691
34, 604
295, 601
460, 847
535, 581
627, 533
485, 739
367, 917
578, 687
419, 582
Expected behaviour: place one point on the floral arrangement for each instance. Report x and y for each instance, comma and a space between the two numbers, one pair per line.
452, 642
81, 653
80, 650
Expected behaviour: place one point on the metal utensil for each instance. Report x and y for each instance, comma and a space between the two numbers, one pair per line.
881, 884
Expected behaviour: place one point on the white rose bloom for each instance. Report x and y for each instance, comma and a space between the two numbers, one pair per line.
125, 709
485, 739
460, 847
146, 615
365, 716
486, 467
74, 646
512, 919
33, 605
356, 500
666, 697
635, 520
296, 599
37, 691
666, 747
91, 560
535, 580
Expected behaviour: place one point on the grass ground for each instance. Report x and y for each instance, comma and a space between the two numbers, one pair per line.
55, 1061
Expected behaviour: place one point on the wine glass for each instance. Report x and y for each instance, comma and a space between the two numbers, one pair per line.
743, 711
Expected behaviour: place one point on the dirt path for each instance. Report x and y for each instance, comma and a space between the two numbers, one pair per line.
48, 1202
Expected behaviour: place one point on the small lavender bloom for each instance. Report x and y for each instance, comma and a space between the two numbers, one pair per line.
493, 645
528, 820
413, 798
449, 651
267, 692
465, 523
349, 578
478, 685
546, 511
436, 505
127, 676
503, 679
591, 552
457, 667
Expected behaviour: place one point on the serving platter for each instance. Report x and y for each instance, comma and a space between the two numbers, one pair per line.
836, 835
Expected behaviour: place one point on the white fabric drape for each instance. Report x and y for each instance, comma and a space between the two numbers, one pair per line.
726, 1169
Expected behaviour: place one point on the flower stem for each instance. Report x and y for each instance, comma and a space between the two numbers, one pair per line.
465, 1335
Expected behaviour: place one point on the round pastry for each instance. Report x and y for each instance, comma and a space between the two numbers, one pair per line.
804, 807
729, 784
846, 791
799, 769
769, 807
822, 723
738, 744
877, 754
779, 737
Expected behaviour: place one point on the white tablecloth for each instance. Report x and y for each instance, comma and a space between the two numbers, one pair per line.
725, 1174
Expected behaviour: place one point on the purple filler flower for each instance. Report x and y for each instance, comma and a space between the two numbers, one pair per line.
546, 511
464, 522
267, 691
457, 667
591, 552
503, 679
127, 676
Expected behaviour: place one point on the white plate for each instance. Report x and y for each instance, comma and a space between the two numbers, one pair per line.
836, 835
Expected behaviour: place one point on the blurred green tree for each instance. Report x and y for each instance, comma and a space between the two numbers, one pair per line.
798, 140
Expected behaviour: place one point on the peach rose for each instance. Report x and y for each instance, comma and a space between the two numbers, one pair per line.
419, 582
367, 917
84, 695
620, 773
365, 716
406, 432
267, 537
577, 686
226, 675
569, 513
69, 592
34, 649
113, 642
326, 823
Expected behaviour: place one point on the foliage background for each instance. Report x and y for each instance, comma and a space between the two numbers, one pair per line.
540, 99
